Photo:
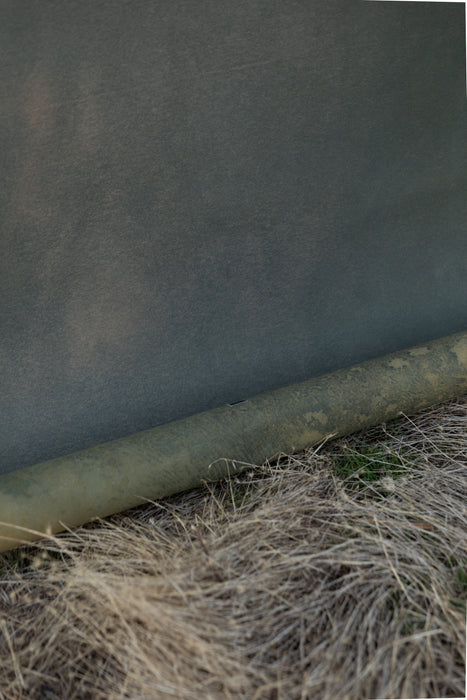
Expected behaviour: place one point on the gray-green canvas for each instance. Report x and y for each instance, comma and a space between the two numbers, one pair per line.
202, 201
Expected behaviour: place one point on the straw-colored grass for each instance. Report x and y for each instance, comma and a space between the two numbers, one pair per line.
337, 573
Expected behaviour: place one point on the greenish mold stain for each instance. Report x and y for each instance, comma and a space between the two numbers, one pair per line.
399, 363
417, 352
319, 416
459, 348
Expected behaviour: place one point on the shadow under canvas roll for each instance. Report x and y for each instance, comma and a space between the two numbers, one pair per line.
205, 202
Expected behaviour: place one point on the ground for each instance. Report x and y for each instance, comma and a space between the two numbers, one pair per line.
339, 572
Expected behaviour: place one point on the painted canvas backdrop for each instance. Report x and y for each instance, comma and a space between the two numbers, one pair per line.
201, 201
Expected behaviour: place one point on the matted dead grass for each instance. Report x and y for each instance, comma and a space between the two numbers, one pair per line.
303, 578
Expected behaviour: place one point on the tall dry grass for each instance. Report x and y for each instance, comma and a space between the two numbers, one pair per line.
338, 573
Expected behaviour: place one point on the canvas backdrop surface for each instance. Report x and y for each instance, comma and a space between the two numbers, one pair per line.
201, 201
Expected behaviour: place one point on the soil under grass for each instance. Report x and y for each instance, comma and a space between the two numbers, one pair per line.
340, 572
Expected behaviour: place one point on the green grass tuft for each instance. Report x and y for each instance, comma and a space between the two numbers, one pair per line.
368, 464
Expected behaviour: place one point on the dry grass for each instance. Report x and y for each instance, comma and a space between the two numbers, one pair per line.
299, 579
